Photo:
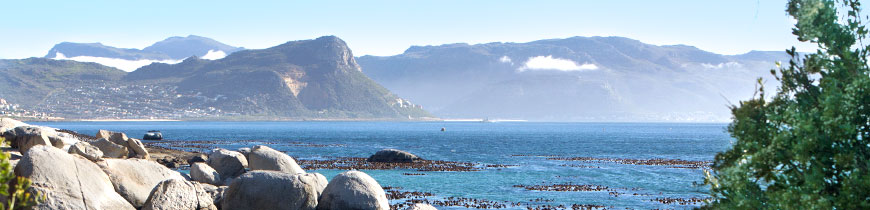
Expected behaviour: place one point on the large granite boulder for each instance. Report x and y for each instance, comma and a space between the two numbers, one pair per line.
353, 190
135, 178
9, 124
421, 206
176, 194
67, 181
25, 137
172, 194
116, 137
201, 172
111, 149
274, 190
393, 156
138, 149
86, 150
229, 164
265, 158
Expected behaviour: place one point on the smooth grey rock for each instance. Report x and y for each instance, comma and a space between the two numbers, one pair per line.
205, 199
201, 172
116, 137
86, 150
274, 190
197, 158
135, 178
245, 151
265, 158
393, 156
138, 148
353, 190
68, 181
172, 194
421, 206
229, 164
110, 149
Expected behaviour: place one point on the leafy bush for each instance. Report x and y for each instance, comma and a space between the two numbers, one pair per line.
14, 188
807, 146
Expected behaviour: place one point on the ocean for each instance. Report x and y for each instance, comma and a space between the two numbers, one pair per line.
539, 164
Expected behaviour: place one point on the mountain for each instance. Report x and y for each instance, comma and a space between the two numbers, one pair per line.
170, 50
305, 79
572, 79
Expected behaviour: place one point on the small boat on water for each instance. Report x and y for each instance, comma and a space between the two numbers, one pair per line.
153, 135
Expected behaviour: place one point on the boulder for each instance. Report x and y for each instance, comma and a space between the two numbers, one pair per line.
229, 164
9, 124
62, 140
245, 151
197, 158
86, 150
201, 172
138, 148
67, 181
274, 190
25, 137
115, 137
353, 190
393, 156
421, 206
265, 158
135, 178
111, 149
172, 194
204, 197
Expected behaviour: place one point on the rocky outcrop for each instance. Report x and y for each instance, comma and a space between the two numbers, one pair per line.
229, 164
265, 158
111, 149
274, 190
393, 156
25, 137
135, 178
86, 150
175, 194
67, 181
353, 190
201, 172
134, 147
421, 206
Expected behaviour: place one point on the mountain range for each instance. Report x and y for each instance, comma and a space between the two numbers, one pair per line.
573, 79
170, 50
304, 79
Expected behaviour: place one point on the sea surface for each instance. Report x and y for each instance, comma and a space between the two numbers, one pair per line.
528, 145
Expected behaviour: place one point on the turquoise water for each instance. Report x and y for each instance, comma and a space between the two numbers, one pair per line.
484, 143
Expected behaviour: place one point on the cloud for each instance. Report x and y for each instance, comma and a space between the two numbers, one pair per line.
214, 55
505, 59
550, 63
123, 64
729, 65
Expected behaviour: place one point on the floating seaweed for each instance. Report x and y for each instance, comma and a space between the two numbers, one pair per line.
680, 201
349, 163
676, 163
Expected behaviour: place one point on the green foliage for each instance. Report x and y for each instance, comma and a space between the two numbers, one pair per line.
14, 188
807, 146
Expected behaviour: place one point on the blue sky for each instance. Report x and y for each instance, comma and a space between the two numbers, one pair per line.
31, 28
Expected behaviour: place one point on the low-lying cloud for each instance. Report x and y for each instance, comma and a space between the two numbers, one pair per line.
729, 65
123, 64
214, 55
558, 64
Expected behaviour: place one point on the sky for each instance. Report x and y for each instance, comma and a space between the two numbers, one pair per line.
31, 28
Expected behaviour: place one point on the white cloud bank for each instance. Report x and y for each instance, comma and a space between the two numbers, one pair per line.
729, 65
558, 64
214, 55
505, 59
123, 64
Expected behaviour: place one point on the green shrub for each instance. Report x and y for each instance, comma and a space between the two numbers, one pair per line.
14, 188
806, 147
